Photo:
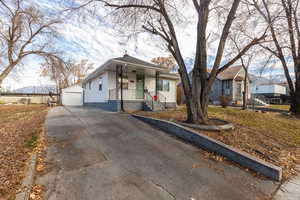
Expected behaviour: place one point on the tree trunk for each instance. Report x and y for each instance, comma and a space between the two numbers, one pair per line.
6, 72
198, 112
295, 105
245, 93
198, 100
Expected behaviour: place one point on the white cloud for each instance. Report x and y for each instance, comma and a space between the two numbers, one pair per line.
90, 37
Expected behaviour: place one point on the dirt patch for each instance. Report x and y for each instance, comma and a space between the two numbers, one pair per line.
273, 137
20, 130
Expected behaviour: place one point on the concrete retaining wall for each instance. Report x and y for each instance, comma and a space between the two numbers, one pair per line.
203, 141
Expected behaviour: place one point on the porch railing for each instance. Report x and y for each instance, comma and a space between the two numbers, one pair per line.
128, 94
149, 100
132, 94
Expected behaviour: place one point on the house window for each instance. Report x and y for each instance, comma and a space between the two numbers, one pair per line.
227, 84
164, 85
90, 85
125, 82
100, 84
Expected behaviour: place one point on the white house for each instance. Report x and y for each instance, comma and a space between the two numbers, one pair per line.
128, 83
272, 89
72, 96
271, 93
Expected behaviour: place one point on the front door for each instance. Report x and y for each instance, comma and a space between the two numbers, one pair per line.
140, 82
239, 91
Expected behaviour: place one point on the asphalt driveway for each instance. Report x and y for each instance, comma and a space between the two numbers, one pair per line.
100, 155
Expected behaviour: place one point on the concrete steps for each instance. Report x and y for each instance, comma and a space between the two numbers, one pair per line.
153, 106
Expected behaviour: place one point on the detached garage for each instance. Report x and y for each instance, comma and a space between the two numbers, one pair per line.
72, 96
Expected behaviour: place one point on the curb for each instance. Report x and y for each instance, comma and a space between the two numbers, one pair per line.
28, 180
258, 165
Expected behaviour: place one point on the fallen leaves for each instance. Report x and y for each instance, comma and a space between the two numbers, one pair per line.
272, 137
37, 192
19, 132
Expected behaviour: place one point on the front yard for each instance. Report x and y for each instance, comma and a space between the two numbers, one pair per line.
272, 137
20, 129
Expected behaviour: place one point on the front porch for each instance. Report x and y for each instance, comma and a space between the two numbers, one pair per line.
131, 93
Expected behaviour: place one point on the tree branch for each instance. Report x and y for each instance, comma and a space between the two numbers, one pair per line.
241, 53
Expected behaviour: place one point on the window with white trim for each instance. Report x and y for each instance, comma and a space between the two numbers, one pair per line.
163, 85
100, 84
227, 84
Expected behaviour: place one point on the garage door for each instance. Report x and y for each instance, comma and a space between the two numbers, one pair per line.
72, 98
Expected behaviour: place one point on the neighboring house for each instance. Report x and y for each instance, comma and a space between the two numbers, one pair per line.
130, 83
72, 96
273, 93
229, 83
287, 88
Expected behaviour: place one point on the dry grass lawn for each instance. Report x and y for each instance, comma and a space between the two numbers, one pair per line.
20, 128
270, 136
280, 107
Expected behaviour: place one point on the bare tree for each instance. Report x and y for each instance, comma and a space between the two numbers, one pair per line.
282, 17
24, 31
55, 68
236, 41
159, 17
78, 71
65, 73
246, 62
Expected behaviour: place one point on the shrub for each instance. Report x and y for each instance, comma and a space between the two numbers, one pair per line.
224, 101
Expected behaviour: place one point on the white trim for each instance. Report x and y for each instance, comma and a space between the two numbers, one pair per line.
138, 65
237, 73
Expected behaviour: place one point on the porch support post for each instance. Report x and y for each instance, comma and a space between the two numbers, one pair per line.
117, 82
117, 86
156, 82
122, 103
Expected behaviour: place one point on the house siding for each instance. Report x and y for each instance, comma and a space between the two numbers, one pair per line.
172, 93
216, 91
93, 95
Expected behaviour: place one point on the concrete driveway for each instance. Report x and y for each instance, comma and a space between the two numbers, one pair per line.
98, 155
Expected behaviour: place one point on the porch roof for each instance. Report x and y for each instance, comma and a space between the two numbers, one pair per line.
132, 63
126, 59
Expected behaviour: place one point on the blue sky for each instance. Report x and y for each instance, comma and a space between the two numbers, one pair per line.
94, 38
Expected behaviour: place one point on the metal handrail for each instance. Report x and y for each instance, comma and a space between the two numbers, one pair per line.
162, 99
149, 100
262, 98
